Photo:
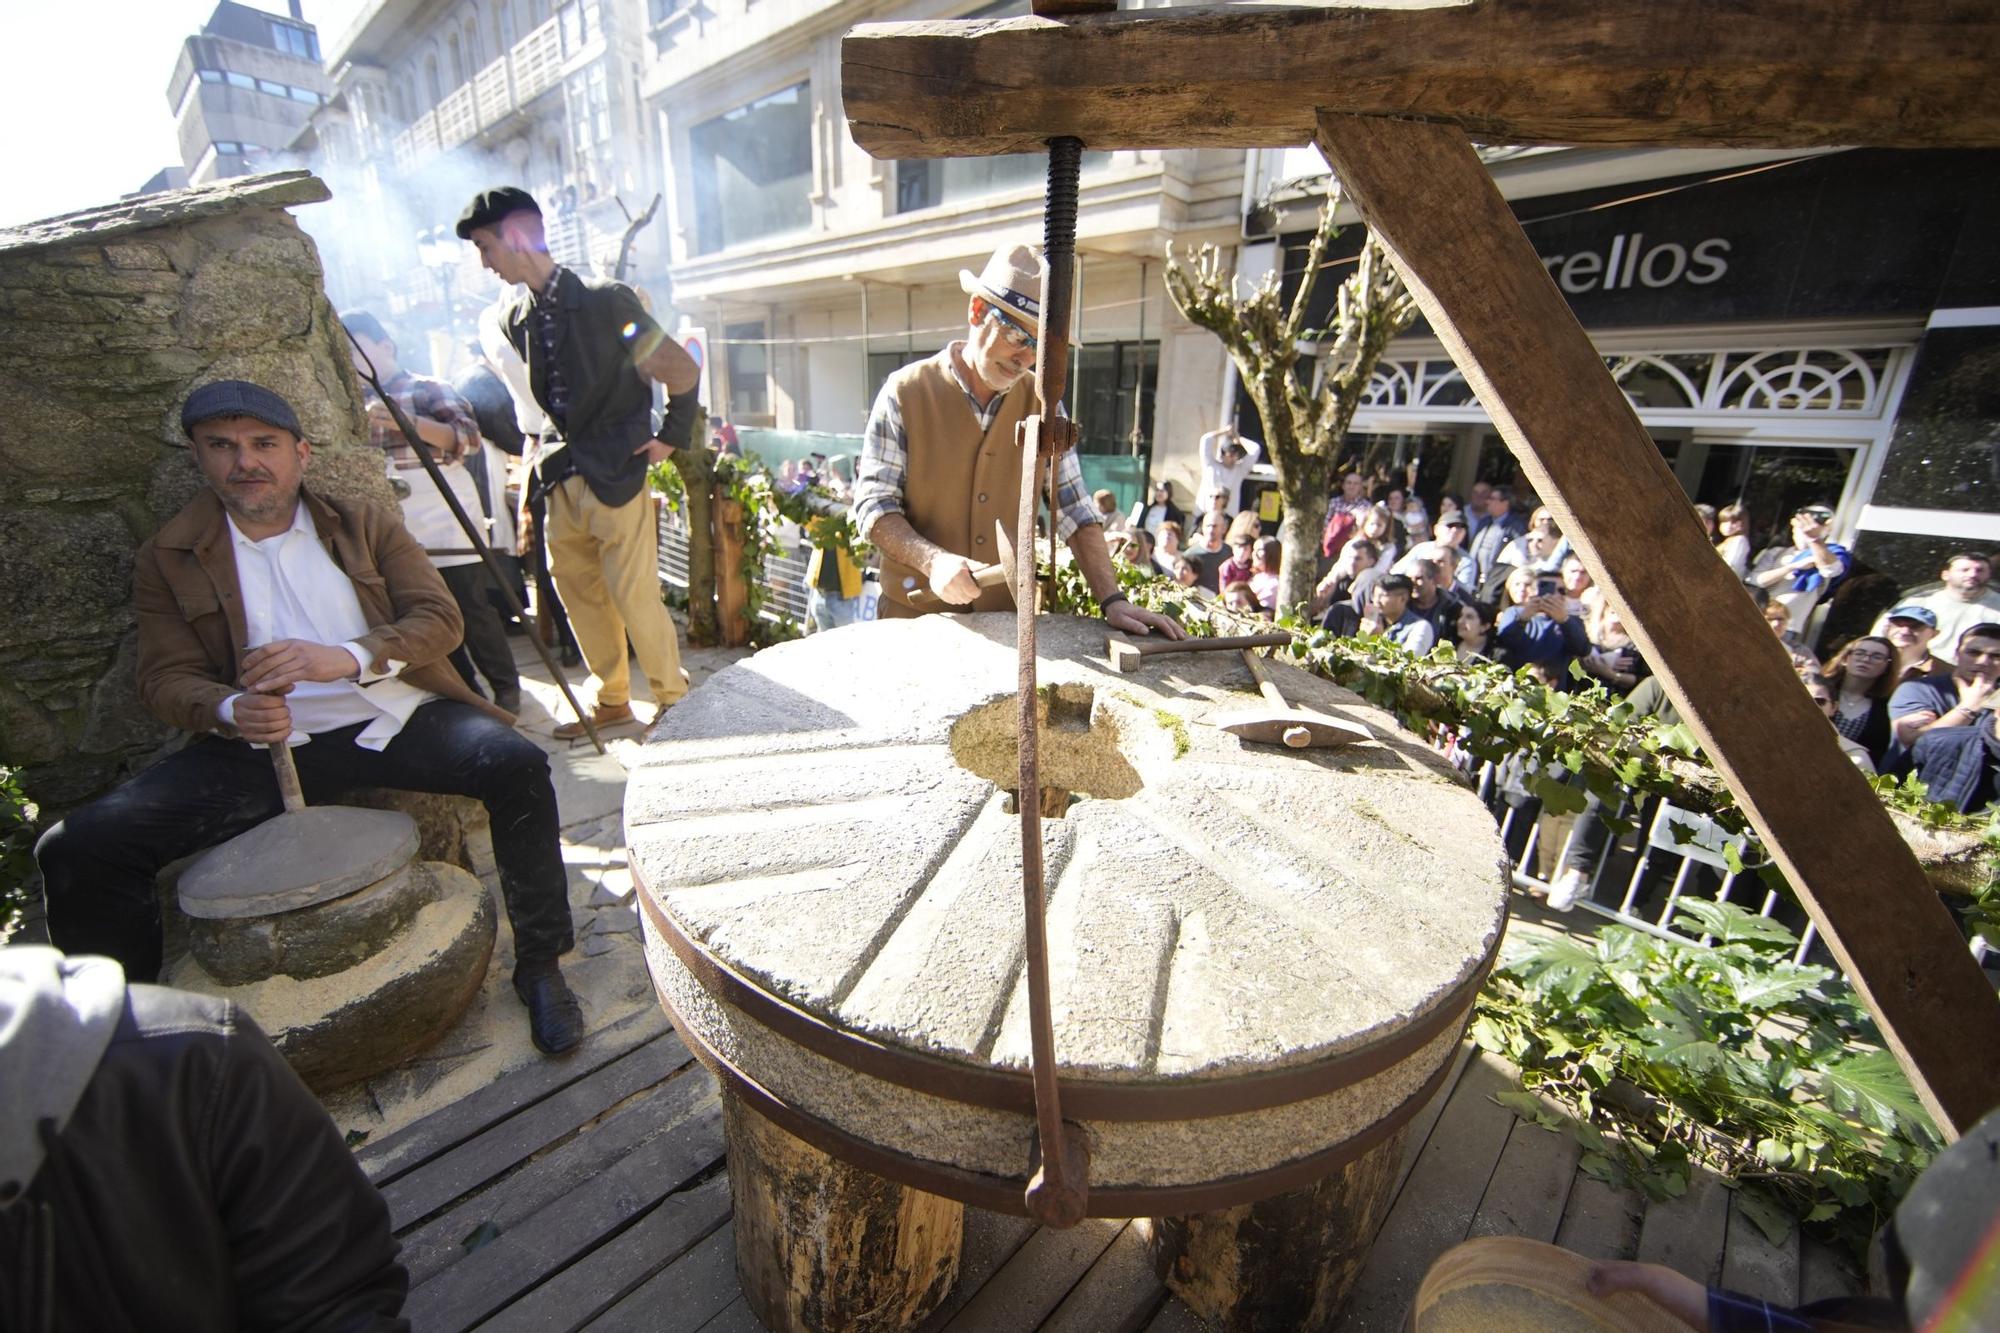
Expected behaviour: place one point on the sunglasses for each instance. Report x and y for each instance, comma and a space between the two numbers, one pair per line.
1818, 515
1013, 334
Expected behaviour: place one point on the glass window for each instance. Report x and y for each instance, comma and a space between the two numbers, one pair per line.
209, 75
753, 171
307, 96
749, 370
1107, 386
235, 80
274, 89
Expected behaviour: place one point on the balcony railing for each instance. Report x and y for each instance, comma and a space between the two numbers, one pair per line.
507, 85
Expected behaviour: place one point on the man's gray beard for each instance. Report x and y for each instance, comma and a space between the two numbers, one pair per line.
277, 507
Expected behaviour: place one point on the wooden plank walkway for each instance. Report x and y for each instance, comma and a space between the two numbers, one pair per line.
591, 1194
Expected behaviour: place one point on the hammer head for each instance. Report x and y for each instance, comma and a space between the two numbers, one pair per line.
1124, 657
1295, 728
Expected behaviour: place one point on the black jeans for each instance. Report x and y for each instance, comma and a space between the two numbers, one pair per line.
485, 636
99, 863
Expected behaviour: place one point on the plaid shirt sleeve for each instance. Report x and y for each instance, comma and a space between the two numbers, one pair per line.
885, 457
1073, 503
422, 398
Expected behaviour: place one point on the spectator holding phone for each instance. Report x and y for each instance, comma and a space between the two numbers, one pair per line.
1613, 657
1538, 628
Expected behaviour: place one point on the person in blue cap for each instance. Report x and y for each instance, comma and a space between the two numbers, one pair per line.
268, 614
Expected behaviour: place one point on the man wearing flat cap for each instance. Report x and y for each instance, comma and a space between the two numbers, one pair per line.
940, 464
593, 354
266, 614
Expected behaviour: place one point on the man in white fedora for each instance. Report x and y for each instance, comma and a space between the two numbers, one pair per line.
940, 463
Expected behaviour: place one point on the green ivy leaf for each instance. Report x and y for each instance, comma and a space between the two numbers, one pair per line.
1731, 924
1559, 964
1773, 1153
1774, 984
1523, 1104
1682, 1044
1558, 798
1772, 1218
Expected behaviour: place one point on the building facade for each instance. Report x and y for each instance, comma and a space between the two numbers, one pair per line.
815, 271
435, 100
1791, 328
241, 89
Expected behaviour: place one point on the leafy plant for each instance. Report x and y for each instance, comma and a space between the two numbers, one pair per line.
1663, 1056
17, 850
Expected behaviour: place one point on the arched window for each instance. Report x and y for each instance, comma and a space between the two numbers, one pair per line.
431, 78
506, 12
474, 57
457, 60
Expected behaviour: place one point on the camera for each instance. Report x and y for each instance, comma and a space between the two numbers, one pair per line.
1548, 585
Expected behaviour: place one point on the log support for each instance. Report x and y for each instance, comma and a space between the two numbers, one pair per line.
822, 1245
1285, 1263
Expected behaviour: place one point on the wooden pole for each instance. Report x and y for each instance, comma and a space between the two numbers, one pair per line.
1473, 271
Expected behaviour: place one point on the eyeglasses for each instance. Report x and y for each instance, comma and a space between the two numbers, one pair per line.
1868, 655
1013, 334
1817, 515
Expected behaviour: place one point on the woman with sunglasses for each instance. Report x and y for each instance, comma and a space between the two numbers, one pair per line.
1862, 677
1826, 694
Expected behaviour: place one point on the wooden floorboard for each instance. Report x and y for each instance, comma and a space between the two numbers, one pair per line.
1438, 1201
1176, 1317
604, 1277
991, 1239
436, 1245
1825, 1272
1419, 1132
1754, 1265
684, 1295
410, 1147
1601, 1221
1029, 1286
1686, 1234
419, 1192
1120, 1293
598, 1208
1530, 1185
736, 1318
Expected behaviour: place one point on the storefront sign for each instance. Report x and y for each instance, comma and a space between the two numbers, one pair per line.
1632, 259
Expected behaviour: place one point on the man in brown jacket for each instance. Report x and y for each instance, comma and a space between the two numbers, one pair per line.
267, 613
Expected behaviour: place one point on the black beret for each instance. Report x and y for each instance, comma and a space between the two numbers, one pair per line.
238, 398
489, 206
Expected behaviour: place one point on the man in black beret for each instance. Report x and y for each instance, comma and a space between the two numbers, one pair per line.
593, 354
268, 613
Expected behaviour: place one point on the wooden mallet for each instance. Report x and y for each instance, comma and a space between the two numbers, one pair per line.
1297, 728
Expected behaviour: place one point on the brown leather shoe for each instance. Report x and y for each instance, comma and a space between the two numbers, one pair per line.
607, 715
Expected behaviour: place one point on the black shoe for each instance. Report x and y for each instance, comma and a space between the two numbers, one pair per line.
555, 1019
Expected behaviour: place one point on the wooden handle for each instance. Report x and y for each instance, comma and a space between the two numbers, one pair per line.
1150, 646
288, 778
986, 576
1265, 685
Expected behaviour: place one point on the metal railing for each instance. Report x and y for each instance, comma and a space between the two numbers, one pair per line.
531, 68
784, 581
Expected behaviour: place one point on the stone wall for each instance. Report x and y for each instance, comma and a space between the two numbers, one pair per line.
107, 319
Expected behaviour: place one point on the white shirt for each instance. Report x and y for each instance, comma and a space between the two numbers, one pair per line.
1217, 475
1955, 615
292, 590
430, 519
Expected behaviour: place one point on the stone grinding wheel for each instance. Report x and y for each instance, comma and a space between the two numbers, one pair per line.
304, 856
1262, 959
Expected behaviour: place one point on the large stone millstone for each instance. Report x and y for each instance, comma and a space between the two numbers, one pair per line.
1262, 959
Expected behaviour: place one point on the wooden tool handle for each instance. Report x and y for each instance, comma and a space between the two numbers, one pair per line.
288, 778
986, 576
1211, 645
1265, 685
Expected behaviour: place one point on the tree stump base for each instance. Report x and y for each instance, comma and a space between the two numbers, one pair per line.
1284, 1264
821, 1245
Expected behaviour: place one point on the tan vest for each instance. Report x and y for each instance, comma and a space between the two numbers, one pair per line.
959, 480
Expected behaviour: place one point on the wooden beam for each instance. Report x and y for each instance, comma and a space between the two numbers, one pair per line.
1475, 275
1675, 73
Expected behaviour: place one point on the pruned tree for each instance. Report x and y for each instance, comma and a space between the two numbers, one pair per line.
1306, 383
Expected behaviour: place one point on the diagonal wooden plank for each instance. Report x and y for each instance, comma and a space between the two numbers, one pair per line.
1754, 1265
599, 1208
1600, 1221
1477, 279
471, 1164
410, 1147
1120, 1294
1530, 1185
435, 1246
608, 1274
684, 1295
1438, 1202
1035, 1280
1788, 73
1686, 1234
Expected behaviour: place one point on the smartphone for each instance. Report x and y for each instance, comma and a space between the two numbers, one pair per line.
1548, 585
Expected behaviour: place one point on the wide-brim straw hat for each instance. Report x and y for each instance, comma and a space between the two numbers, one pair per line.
1011, 280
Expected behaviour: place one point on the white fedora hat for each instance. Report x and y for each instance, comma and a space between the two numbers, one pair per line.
1012, 280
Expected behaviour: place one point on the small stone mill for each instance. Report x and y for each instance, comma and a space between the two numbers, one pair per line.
322, 924
1260, 959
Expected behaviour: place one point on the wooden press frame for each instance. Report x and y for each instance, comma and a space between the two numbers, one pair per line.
1394, 98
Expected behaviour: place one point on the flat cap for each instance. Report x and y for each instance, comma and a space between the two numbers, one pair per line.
489, 206
238, 398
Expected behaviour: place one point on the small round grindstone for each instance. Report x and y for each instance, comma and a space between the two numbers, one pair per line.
297, 859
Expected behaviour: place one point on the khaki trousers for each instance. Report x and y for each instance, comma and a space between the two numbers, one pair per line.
605, 562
